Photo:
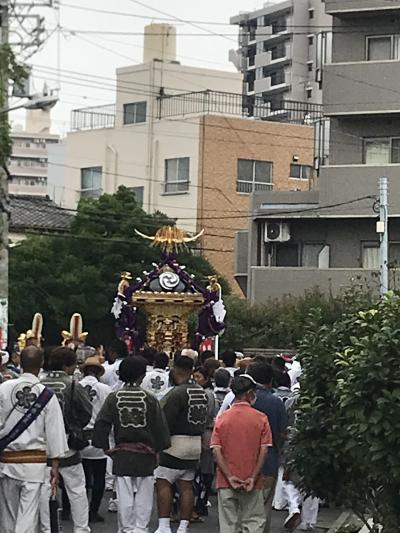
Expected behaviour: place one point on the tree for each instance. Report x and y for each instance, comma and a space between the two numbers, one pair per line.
348, 422
79, 272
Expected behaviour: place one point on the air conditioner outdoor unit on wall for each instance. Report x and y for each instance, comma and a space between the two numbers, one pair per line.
277, 232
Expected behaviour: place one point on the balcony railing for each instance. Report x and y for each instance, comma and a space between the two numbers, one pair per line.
93, 118
251, 186
224, 103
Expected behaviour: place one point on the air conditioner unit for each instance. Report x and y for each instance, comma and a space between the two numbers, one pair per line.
277, 232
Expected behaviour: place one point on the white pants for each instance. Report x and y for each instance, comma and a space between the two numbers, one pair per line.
134, 510
280, 498
19, 505
310, 508
75, 485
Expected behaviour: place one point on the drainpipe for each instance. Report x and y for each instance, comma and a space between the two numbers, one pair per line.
114, 170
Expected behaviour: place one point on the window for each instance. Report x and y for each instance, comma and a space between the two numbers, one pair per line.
279, 25
301, 172
310, 65
309, 92
135, 113
287, 255
311, 13
382, 47
176, 175
370, 256
277, 52
91, 182
310, 40
277, 77
315, 255
254, 176
381, 150
139, 194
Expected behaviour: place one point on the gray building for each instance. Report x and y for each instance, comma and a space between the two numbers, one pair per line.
325, 238
281, 52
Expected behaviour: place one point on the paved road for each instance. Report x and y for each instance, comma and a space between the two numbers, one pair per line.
326, 519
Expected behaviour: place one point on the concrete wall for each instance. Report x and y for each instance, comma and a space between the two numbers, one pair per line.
343, 183
365, 87
222, 210
272, 283
338, 6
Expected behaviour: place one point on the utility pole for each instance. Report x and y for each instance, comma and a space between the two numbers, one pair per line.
382, 229
4, 213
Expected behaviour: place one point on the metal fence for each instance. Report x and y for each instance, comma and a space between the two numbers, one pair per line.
224, 103
93, 118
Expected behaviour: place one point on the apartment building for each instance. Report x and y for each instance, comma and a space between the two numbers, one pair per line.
28, 161
328, 238
178, 137
282, 48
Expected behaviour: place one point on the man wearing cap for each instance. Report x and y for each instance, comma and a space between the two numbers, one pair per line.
94, 459
240, 442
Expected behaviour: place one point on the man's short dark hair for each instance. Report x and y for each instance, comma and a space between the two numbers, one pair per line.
261, 373
132, 368
61, 357
149, 354
222, 378
31, 359
119, 347
161, 360
229, 358
279, 363
242, 384
282, 379
184, 364
207, 354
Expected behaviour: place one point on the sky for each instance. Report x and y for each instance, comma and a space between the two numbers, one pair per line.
96, 54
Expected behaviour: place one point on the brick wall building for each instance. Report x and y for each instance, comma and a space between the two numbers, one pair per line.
236, 157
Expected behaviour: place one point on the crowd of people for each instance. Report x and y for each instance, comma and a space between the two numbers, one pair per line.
143, 427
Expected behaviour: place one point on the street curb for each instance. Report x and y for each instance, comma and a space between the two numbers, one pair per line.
340, 521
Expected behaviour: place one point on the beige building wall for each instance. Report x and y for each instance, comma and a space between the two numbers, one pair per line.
222, 210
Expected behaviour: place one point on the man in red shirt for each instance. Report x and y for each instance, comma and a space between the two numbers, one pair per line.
240, 442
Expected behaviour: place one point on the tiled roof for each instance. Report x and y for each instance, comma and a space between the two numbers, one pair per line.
37, 213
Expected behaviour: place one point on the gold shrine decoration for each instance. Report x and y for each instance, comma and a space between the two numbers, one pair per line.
167, 318
75, 336
170, 238
33, 337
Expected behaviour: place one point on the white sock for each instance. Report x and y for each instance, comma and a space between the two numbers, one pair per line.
183, 526
164, 524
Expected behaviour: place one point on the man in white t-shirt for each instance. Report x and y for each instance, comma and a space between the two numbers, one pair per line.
157, 380
93, 459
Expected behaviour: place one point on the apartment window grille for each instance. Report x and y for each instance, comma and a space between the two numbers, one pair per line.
301, 172
91, 179
381, 150
254, 176
277, 77
135, 113
382, 47
177, 175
